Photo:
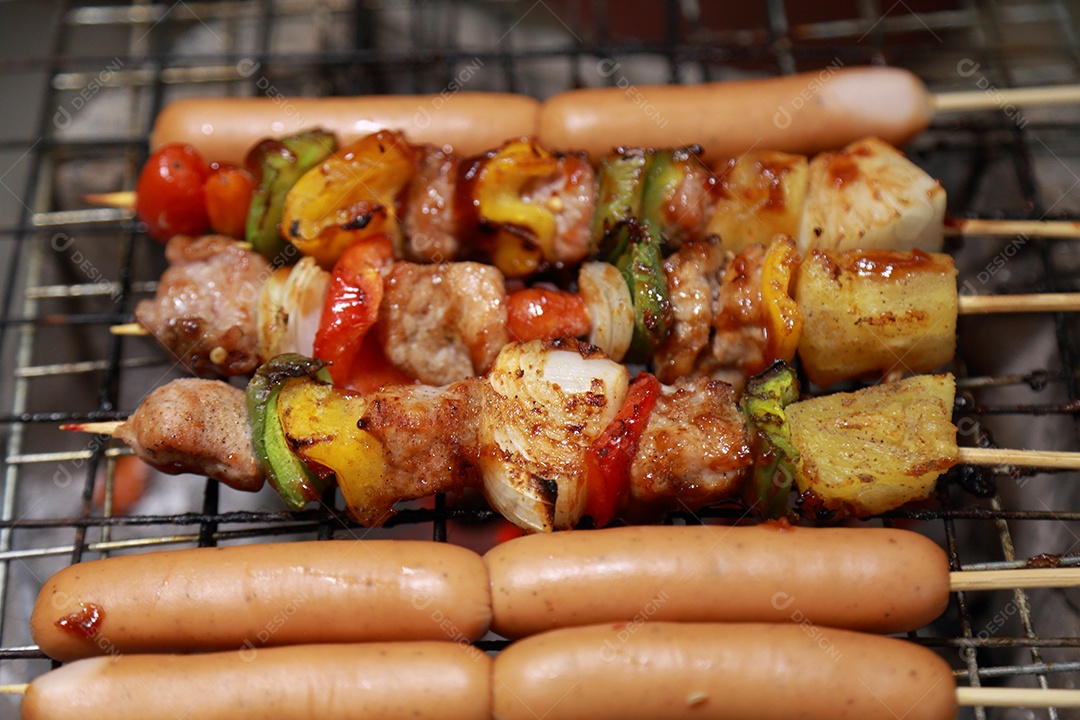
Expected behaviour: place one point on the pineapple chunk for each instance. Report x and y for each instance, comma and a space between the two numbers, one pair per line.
870, 196
759, 195
874, 450
875, 312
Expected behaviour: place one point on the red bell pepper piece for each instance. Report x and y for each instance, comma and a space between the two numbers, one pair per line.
352, 303
372, 370
608, 458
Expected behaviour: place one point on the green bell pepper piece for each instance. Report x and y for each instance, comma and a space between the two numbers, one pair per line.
279, 164
636, 253
621, 180
288, 474
763, 402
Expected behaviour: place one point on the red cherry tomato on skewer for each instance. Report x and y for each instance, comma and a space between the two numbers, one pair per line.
545, 314
170, 195
228, 197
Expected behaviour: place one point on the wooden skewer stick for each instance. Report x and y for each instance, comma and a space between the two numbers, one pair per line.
969, 100
1051, 459
1056, 460
122, 199
107, 427
965, 696
131, 329
1035, 303
962, 580
955, 227
964, 227
1017, 697
967, 305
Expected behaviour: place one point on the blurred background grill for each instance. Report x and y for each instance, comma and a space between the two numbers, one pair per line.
82, 84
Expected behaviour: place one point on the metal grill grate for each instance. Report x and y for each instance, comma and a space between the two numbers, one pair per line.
84, 83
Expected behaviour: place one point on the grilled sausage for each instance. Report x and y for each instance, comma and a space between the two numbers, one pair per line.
871, 579
329, 682
223, 129
251, 596
804, 113
736, 672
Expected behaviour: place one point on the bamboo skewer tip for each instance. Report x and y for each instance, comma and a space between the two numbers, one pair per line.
108, 427
124, 199
1038, 303
969, 100
1000, 457
129, 329
14, 689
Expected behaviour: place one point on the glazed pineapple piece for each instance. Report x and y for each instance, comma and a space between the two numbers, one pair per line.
874, 450
875, 312
870, 196
759, 195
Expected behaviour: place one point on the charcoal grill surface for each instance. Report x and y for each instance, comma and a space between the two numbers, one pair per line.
83, 82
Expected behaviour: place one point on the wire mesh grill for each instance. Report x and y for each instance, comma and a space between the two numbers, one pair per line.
86, 98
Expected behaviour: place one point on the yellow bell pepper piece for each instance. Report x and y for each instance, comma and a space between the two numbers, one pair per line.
348, 196
524, 231
320, 423
783, 319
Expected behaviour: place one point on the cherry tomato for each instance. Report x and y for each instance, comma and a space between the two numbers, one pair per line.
543, 314
228, 197
608, 457
170, 197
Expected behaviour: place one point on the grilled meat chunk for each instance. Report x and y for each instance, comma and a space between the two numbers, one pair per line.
196, 426
693, 276
428, 436
204, 311
740, 340
429, 218
443, 323
694, 451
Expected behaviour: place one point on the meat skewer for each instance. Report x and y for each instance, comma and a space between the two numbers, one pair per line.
414, 441
556, 432
221, 309
867, 196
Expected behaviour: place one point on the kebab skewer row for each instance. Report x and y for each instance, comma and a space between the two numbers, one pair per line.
220, 308
555, 432
525, 209
671, 670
